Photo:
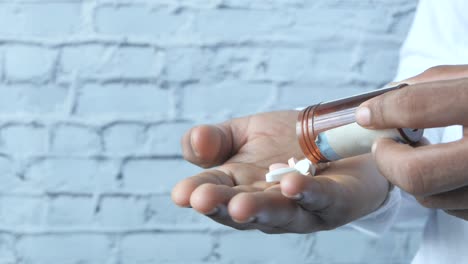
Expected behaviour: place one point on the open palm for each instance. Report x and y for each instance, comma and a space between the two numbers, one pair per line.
234, 192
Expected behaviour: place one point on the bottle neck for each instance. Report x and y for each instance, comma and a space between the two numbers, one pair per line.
316, 119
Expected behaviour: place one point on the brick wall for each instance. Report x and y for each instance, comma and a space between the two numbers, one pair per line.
95, 94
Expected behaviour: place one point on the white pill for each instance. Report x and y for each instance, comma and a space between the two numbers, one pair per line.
305, 167
278, 174
292, 162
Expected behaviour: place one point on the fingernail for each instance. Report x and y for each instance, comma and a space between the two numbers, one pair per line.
249, 220
297, 196
374, 147
213, 211
392, 84
194, 149
363, 116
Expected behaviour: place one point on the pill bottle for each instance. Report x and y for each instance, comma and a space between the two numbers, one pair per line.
328, 131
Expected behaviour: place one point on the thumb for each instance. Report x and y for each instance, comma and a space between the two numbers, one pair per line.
211, 145
416, 107
423, 105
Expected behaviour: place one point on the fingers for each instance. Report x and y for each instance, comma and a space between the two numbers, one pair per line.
425, 170
438, 73
251, 207
272, 212
211, 145
247, 206
229, 175
312, 193
183, 190
425, 105
212, 200
208, 198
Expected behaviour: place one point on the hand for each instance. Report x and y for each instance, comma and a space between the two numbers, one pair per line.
437, 175
236, 194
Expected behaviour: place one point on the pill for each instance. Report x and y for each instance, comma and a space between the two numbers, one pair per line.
278, 170
305, 167
292, 162
276, 166
277, 175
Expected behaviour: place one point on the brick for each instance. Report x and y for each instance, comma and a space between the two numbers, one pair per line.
164, 138
119, 72
288, 65
228, 98
2, 64
29, 63
269, 5
6, 165
124, 138
105, 62
139, 20
8, 169
353, 246
152, 175
192, 3
228, 27
32, 99
187, 64
162, 210
345, 20
237, 247
209, 64
7, 249
159, 248
121, 211
294, 96
66, 248
23, 139
122, 100
70, 211
36, 19
21, 211
73, 139
72, 175
378, 65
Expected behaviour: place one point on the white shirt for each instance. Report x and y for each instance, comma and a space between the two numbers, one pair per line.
438, 36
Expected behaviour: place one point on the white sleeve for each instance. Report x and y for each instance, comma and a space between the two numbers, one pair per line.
425, 46
399, 205
380, 220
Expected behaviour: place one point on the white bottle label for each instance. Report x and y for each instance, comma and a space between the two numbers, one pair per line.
351, 140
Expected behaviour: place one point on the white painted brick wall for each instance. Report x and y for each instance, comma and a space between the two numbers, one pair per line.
95, 94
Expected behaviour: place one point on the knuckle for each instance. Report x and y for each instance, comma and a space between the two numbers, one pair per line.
394, 108
403, 102
378, 109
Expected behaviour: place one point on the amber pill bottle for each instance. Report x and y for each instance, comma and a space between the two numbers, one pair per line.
328, 131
